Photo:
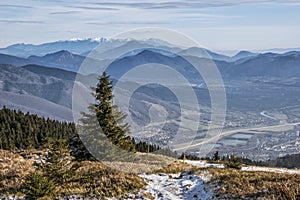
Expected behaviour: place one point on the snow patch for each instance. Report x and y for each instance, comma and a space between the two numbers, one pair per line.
204, 164
96, 39
175, 186
268, 169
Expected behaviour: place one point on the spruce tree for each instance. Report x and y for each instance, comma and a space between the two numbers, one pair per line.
38, 186
60, 165
110, 119
55, 172
103, 128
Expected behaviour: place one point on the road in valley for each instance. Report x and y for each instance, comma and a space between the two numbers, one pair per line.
215, 138
263, 113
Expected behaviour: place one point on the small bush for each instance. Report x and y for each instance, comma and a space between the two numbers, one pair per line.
233, 165
233, 162
38, 186
175, 168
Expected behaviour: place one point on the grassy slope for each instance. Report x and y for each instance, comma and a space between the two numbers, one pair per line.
227, 183
90, 177
236, 184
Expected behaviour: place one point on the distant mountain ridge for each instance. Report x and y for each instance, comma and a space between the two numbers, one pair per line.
243, 64
21, 81
243, 54
37, 89
75, 46
268, 65
61, 60
49, 71
106, 48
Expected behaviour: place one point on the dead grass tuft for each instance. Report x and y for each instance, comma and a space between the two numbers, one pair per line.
91, 178
176, 167
236, 184
13, 170
143, 163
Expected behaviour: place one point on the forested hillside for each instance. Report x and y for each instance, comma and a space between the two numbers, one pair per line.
23, 131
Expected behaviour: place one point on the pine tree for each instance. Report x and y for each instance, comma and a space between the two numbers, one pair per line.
108, 117
55, 172
216, 156
93, 137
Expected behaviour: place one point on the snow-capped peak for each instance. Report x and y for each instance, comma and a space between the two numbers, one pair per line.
96, 39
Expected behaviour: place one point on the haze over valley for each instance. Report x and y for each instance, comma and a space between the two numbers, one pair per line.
262, 92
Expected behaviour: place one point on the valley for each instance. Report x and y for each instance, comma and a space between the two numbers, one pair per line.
262, 112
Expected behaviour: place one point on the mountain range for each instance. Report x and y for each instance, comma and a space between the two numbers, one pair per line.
40, 79
85, 46
244, 64
48, 77
76, 46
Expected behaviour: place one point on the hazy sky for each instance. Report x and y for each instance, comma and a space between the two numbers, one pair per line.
215, 24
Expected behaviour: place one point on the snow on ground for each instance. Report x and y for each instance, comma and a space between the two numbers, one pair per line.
175, 186
268, 169
204, 164
187, 185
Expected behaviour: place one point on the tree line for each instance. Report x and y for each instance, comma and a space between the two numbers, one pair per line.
20, 131
24, 131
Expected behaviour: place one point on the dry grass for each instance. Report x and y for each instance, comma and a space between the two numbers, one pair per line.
91, 178
236, 184
143, 163
13, 170
176, 167
148, 195
96, 178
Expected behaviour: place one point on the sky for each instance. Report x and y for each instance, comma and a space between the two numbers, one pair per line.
214, 24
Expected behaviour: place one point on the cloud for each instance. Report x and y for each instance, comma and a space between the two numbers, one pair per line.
93, 8
209, 16
162, 5
166, 5
15, 6
64, 12
21, 21
92, 18
128, 22
188, 3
